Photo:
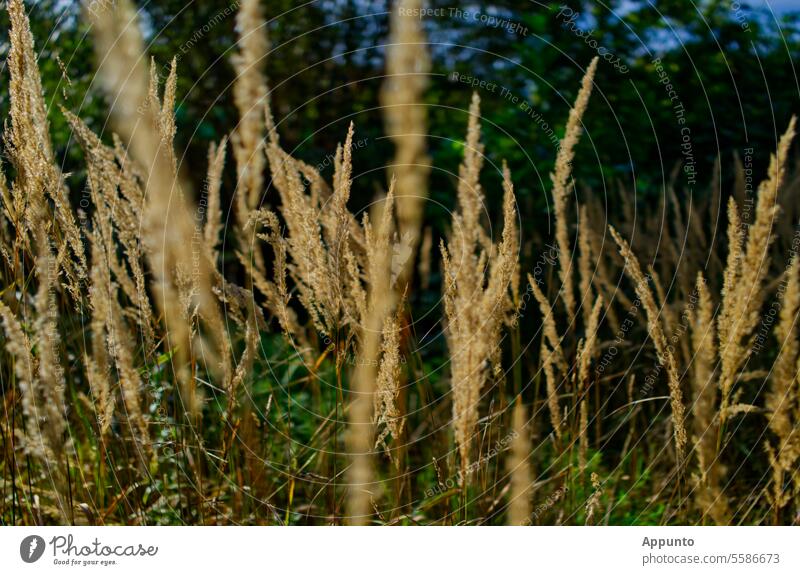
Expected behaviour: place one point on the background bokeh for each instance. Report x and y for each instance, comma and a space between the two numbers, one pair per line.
732, 65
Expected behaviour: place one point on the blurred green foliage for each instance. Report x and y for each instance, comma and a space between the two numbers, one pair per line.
732, 68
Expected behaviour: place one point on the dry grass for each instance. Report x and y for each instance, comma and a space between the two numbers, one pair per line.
664, 349
476, 301
561, 186
142, 385
407, 68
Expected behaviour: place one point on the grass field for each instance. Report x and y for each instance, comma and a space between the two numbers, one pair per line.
271, 354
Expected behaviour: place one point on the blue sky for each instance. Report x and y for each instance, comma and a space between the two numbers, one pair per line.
780, 6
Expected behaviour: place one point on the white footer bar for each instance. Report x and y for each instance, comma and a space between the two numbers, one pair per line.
390, 550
